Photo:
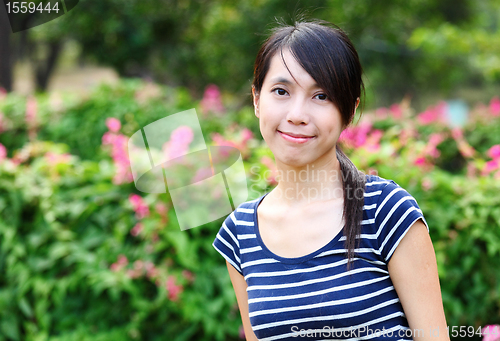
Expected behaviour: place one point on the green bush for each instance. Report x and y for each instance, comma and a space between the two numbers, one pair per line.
63, 225
83, 257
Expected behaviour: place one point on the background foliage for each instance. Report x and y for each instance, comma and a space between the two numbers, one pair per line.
83, 255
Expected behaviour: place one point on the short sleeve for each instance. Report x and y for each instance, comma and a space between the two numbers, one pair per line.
396, 212
227, 244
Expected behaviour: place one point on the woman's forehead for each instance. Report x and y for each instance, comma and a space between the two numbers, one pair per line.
285, 69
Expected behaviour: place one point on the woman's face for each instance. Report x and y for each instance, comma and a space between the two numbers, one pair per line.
296, 106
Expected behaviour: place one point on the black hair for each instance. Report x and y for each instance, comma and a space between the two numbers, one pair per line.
329, 57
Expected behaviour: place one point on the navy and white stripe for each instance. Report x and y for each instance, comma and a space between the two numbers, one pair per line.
316, 292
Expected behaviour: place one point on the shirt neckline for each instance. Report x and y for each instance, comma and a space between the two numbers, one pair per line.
287, 260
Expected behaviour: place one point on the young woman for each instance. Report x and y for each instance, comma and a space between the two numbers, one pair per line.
329, 253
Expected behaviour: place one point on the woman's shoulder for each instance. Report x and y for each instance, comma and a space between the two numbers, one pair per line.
378, 189
375, 183
244, 214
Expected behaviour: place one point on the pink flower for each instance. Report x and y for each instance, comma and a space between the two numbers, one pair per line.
490, 166
149, 266
219, 140
201, 174
381, 113
465, 149
434, 140
212, 101
173, 289
134, 273
119, 264
433, 114
356, 136
491, 333
426, 184
188, 275
30, 117
457, 133
54, 159
119, 153
241, 142
373, 141
471, 170
406, 135
137, 229
463, 146
122, 259
396, 111
152, 271
139, 206
420, 161
179, 142
162, 210
31, 111
495, 106
3, 152
246, 134
113, 124
138, 264
494, 152
423, 163
241, 333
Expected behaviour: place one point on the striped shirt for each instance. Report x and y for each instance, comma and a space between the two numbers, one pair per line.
315, 297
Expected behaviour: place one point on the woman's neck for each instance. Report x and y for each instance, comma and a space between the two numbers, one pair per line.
316, 182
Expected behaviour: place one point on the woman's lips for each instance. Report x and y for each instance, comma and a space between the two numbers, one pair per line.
295, 139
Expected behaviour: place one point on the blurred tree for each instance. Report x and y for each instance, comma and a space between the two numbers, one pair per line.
381, 31
414, 47
16, 47
5, 52
190, 43
477, 40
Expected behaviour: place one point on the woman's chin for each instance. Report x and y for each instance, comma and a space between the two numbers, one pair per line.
298, 161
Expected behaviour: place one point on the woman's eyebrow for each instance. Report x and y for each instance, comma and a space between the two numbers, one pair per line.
288, 82
281, 80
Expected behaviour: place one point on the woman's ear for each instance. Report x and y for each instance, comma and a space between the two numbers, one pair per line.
255, 95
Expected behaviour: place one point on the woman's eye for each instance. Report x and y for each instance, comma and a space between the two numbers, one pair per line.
280, 92
322, 97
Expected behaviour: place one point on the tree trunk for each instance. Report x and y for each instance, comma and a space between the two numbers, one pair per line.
45, 68
5, 51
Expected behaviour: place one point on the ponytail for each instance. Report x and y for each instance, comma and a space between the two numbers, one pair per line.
353, 183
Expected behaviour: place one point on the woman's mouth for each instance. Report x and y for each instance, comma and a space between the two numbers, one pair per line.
295, 138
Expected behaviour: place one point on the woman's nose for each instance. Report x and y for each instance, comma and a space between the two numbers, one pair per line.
298, 113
